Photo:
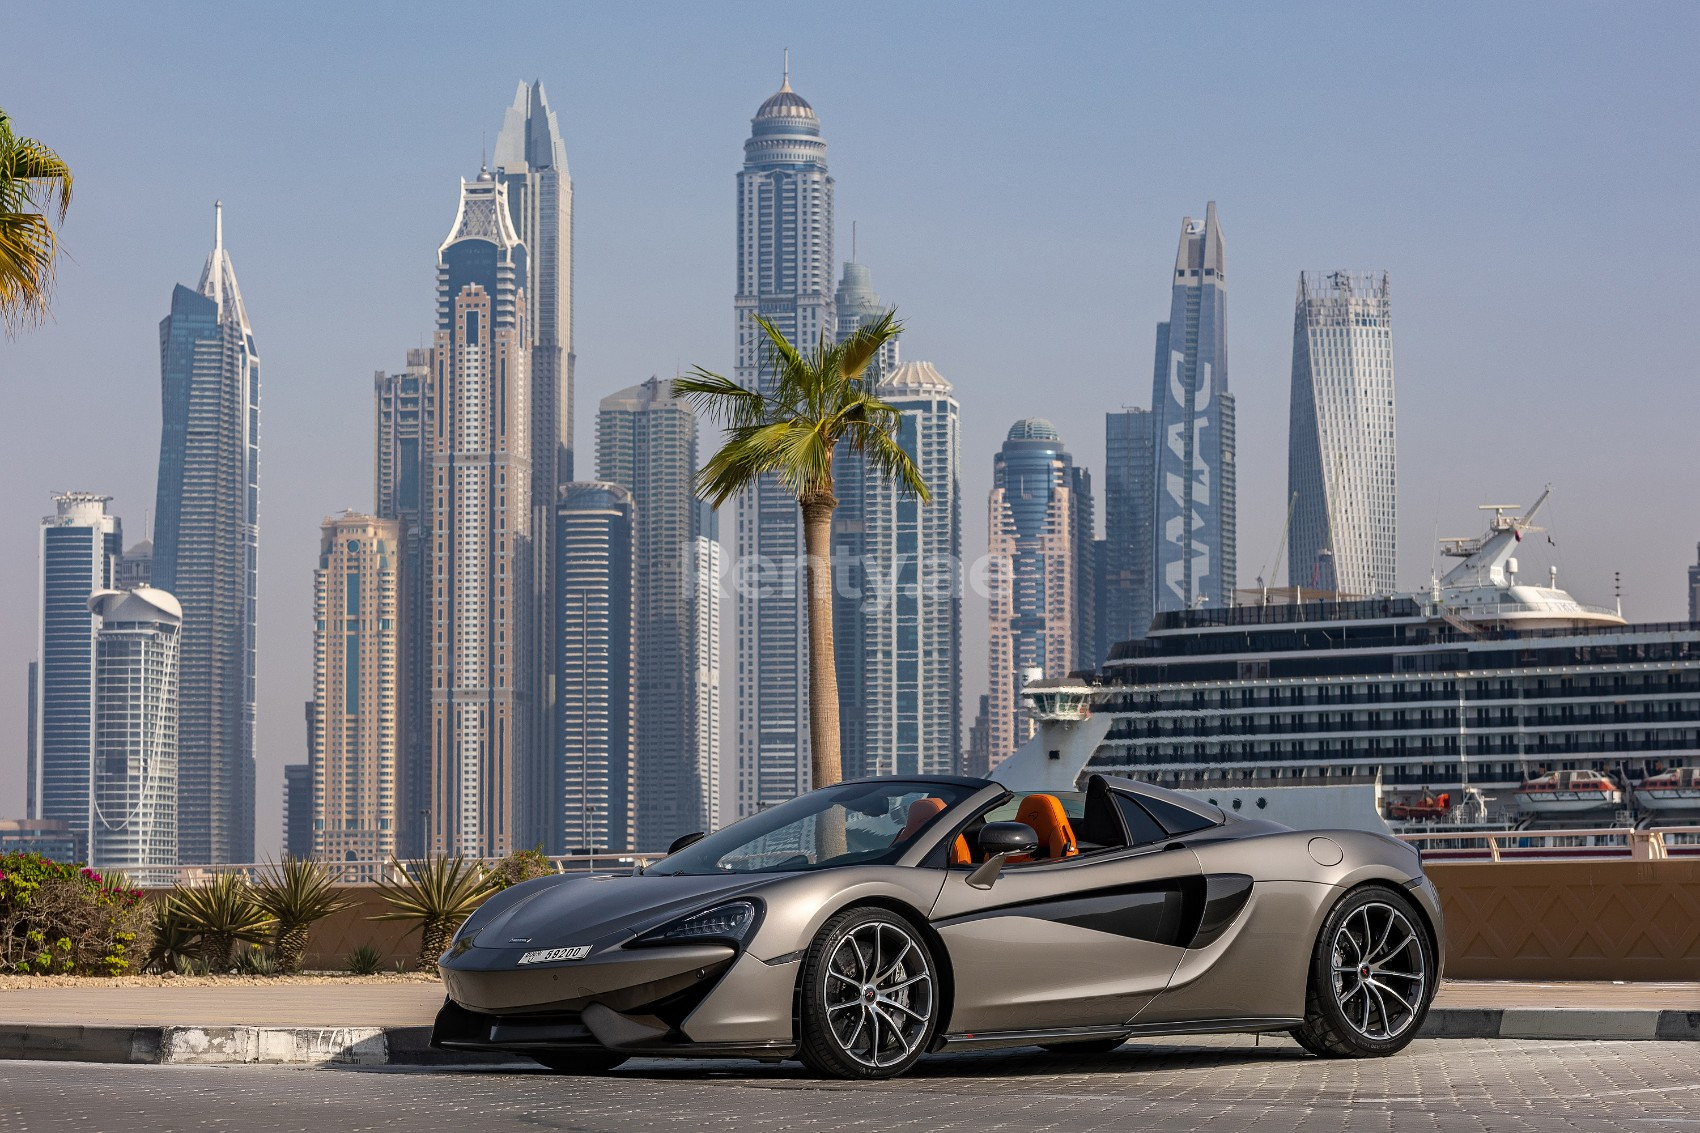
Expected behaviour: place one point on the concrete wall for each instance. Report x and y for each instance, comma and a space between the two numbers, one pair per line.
1571, 920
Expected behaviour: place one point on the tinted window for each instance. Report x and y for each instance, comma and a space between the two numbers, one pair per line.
1141, 827
1174, 819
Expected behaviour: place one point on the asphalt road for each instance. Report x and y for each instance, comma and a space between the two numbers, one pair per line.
1219, 1085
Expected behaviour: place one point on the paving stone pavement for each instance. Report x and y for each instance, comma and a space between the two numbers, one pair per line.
1215, 1084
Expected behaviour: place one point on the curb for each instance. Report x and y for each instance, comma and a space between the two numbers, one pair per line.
411, 1046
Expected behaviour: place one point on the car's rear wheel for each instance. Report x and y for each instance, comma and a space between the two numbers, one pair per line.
578, 1061
1372, 977
870, 1001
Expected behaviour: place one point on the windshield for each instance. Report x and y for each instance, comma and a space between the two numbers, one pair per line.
848, 824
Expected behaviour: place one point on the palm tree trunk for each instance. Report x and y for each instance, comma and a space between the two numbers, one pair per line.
825, 766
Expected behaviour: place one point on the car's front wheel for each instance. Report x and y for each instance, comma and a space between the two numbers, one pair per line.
870, 1001
1372, 977
578, 1061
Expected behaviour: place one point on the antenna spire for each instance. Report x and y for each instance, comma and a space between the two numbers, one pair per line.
852, 241
786, 84
218, 225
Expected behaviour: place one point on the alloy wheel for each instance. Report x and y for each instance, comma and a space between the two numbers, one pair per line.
1380, 974
880, 994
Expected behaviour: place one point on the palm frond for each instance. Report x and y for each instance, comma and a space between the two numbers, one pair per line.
35, 183
865, 343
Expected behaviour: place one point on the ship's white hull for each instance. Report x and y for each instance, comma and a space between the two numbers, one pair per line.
1668, 798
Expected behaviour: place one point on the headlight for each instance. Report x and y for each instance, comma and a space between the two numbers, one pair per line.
731, 922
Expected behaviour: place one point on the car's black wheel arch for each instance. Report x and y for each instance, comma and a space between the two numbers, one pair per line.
935, 942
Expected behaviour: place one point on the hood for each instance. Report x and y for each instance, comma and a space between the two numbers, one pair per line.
600, 908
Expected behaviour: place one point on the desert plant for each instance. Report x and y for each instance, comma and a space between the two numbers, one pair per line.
790, 428
223, 912
521, 865
176, 942
60, 918
255, 960
436, 895
365, 961
297, 892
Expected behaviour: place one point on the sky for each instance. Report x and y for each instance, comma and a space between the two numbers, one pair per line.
1017, 174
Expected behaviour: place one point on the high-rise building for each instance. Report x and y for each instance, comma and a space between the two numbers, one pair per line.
1192, 412
404, 419
1341, 451
646, 442
32, 754
487, 784
531, 165
80, 546
357, 689
707, 738
298, 810
1694, 588
595, 673
134, 813
784, 276
205, 552
911, 603
856, 304
978, 760
136, 567
1039, 534
1126, 583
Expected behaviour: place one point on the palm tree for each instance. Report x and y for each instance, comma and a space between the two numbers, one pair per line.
792, 431
436, 894
296, 894
34, 183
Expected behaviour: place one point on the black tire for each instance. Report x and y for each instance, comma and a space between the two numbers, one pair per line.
870, 997
578, 1061
1372, 977
1088, 1046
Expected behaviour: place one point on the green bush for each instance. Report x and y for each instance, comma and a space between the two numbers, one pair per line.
521, 865
365, 961
57, 918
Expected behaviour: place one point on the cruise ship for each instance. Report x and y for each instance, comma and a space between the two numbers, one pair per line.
1482, 698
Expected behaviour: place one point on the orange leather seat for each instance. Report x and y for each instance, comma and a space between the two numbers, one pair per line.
1045, 814
922, 811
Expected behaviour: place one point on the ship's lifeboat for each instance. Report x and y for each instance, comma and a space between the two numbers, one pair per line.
1676, 789
1428, 808
1568, 792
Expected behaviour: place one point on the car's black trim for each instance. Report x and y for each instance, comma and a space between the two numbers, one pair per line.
1157, 911
1217, 1026
977, 1039
1225, 894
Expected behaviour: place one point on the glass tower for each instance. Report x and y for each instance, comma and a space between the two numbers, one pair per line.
1126, 582
1341, 450
205, 552
80, 547
784, 275
1193, 509
488, 781
646, 442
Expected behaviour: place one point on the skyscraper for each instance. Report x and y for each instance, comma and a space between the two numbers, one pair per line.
646, 442
80, 546
136, 567
1193, 486
855, 305
205, 553
357, 689
1694, 588
784, 276
298, 810
487, 783
404, 420
1341, 451
1128, 550
531, 165
911, 616
595, 674
1035, 600
134, 813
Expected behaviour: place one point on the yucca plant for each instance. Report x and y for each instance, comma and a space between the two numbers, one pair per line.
436, 894
296, 893
364, 961
175, 941
223, 912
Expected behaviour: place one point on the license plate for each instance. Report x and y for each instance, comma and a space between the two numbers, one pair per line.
546, 955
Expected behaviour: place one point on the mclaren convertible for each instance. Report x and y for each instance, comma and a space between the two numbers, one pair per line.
862, 925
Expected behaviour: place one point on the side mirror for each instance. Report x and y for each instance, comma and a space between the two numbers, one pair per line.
1007, 838
999, 841
684, 840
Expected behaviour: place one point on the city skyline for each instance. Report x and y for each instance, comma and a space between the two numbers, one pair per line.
1442, 478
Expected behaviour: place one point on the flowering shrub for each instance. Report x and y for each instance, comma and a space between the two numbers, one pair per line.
66, 919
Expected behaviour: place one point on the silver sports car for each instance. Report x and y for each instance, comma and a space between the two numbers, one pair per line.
862, 925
